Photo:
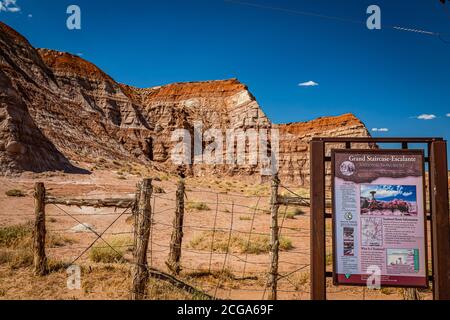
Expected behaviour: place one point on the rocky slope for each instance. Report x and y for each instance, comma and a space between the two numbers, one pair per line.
56, 107
295, 138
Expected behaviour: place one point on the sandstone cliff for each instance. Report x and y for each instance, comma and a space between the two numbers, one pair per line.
295, 138
56, 107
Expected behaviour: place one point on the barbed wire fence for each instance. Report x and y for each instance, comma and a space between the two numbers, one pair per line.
209, 244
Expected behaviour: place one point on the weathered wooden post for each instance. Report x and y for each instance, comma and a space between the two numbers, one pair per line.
440, 225
173, 263
317, 239
274, 241
39, 257
142, 222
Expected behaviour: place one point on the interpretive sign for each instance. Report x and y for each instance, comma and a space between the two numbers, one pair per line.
379, 221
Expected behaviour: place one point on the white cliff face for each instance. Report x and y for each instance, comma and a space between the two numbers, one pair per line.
245, 112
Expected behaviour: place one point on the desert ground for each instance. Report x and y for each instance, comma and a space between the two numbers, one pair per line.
233, 266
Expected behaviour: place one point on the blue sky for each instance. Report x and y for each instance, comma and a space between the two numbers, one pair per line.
389, 192
386, 77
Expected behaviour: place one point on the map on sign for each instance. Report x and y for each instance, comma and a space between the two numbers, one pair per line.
371, 231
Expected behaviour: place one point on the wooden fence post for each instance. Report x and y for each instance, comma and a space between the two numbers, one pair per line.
39, 257
317, 190
142, 222
173, 263
440, 220
274, 241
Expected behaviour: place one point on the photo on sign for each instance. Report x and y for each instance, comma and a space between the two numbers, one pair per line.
349, 233
349, 248
402, 260
388, 200
349, 242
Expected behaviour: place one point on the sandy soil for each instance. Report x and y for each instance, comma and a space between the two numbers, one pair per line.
230, 206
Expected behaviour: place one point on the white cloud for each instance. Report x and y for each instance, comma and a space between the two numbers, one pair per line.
380, 129
382, 193
30, 16
448, 115
9, 6
426, 116
308, 84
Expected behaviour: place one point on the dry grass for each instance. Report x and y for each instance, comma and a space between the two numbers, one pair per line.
12, 236
16, 259
259, 190
238, 243
197, 205
388, 291
224, 278
302, 192
15, 193
290, 213
299, 280
98, 282
127, 169
16, 244
329, 259
20, 237
115, 253
259, 209
164, 177
158, 189
161, 290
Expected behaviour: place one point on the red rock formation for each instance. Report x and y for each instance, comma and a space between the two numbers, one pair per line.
56, 105
295, 138
24, 79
